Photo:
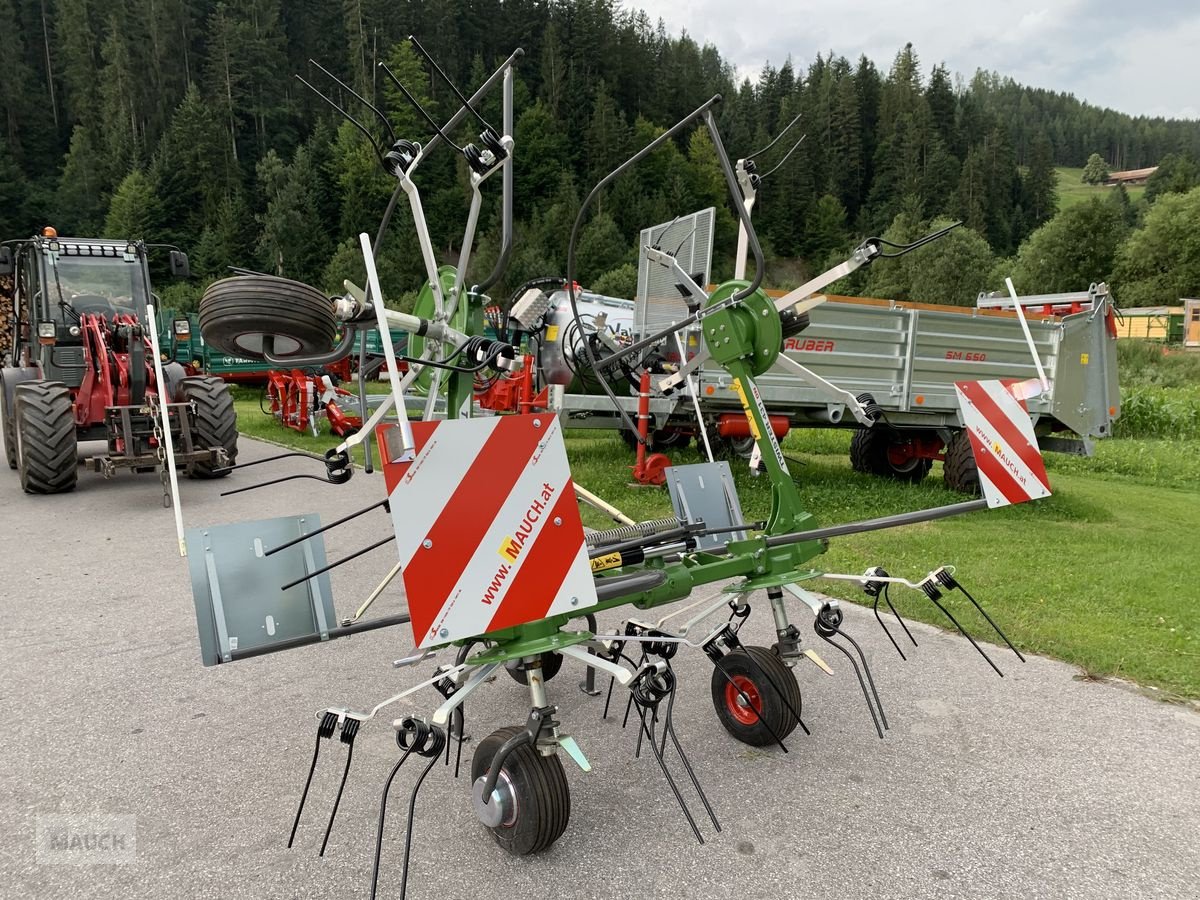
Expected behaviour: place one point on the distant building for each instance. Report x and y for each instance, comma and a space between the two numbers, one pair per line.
1130, 177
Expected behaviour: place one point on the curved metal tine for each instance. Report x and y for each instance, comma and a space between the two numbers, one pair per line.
996, 627
779, 165
418, 107
669, 729
446, 78
964, 633
867, 672
667, 774
612, 680
349, 732
324, 730
888, 601
363, 100
349, 118
920, 242
334, 565
412, 807
267, 459
862, 684
387, 786
304, 537
775, 140
262, 484
875, 609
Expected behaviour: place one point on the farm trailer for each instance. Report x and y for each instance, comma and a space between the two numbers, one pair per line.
908, 356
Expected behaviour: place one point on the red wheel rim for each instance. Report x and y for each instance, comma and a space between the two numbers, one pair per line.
743, 713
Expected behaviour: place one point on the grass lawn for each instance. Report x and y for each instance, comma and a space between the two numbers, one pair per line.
1096, 575
1072, 190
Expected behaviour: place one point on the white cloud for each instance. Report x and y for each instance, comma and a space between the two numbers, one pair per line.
1139, 60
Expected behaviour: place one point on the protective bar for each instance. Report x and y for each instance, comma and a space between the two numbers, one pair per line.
908, 518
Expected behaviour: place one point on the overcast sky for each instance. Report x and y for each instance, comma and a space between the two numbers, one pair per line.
1139, 58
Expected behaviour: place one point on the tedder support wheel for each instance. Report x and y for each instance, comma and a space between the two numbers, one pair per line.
215, 422
958, 471
746, 687
47, 455
236, 314
531, 804
883, 452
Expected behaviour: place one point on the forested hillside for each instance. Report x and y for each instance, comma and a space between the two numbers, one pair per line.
181, 121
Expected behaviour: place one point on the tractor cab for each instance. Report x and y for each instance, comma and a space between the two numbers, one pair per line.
60, 281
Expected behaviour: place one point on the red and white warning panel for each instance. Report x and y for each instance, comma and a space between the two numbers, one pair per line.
487, 526
1006, 451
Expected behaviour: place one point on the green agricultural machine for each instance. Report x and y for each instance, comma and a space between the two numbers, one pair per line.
498, 571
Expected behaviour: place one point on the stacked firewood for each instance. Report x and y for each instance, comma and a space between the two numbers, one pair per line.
6, 314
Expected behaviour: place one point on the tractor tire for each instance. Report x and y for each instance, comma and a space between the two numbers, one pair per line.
758, 675
8, 427
47, 452
215, 422
869, 454
534, 789
236, 314
959, 471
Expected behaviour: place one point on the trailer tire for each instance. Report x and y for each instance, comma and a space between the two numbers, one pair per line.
47, 452
959, 470
869, 454
214, 424
236, 314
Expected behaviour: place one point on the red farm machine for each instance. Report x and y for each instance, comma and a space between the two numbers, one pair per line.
82, 363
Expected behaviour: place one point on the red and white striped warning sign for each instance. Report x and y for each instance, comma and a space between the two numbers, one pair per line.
1010, 464
487, 527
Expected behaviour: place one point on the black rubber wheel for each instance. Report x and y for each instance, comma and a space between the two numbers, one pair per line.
47, 454
759, 674
958, 470
551, 663
215, 421
236, 313
537, 785
869, 454
736, 448
8, 427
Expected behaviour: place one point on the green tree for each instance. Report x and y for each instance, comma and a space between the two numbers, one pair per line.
1095, 171
134, 212
1160, 263
13, 192
81, 199
1040, 183
601, 247
953, 269
1072, 250
1177, 173
227, 238
293, 241
619, 282
825, 231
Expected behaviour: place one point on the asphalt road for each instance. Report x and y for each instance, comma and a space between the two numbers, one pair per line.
1036, 785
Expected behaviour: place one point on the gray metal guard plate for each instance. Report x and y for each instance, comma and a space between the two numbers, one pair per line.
704, 492
659, 304
236, 589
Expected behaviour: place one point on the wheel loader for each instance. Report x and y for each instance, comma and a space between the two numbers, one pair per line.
78, 353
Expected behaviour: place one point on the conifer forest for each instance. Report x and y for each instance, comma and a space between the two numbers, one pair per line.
183, 121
